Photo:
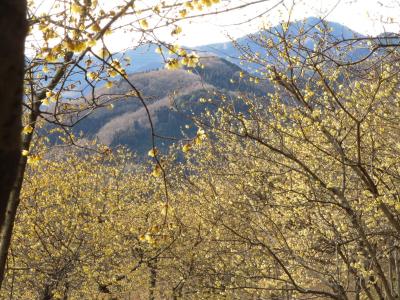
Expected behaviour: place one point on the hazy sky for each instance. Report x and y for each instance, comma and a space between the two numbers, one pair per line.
363, 16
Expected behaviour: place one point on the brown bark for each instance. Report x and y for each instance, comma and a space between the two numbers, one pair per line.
13, 200
13, 31
152, 279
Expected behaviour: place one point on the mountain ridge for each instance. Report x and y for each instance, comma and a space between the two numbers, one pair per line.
170, 95
127, 124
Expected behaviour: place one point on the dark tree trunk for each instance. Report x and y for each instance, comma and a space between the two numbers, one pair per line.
13, 31
152, 279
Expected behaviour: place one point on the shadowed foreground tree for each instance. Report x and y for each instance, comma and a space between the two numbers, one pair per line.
12, 17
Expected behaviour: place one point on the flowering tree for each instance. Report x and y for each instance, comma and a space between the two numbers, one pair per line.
317, 213
66, 67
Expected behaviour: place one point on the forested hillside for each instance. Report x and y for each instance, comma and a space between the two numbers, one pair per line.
173, 96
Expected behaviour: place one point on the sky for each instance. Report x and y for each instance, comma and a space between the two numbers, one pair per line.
363, 16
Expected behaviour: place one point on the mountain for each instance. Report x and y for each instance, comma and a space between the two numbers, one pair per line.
308, 27
172, 96
145, 58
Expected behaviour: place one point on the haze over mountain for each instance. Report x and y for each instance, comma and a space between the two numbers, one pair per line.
145, 57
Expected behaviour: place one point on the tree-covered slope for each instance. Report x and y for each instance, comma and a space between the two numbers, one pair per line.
172, 97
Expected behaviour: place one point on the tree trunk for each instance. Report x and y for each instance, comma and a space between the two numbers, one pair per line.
12, 37
152, 279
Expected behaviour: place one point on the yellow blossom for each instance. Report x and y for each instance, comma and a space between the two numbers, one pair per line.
186, 148
157, 171
153, 152
109, 84
33, 159
172, 64
144, 24
28, 129
183, 13
76, 8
